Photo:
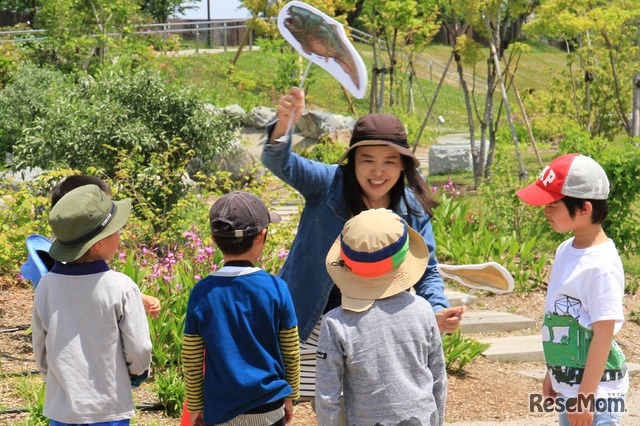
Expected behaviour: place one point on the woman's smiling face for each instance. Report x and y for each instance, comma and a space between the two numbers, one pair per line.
378, 168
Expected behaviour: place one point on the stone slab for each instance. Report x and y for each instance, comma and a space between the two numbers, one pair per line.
456, 297
514, 348
445, 159
453, 139
494, 321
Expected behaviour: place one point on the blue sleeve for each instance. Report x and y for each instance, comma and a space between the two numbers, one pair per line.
430, 286
306, 176
288, 317
191, 321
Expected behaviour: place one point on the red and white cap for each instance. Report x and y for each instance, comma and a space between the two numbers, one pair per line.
571, 175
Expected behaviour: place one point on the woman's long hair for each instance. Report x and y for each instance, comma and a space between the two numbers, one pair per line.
354, 196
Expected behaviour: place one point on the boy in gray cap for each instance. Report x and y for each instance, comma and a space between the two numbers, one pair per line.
245, 319
90, 333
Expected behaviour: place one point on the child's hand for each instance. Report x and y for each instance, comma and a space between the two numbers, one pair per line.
196, 418
547, 387
288, 410
151, 305
580, 418
449, 319
136, 381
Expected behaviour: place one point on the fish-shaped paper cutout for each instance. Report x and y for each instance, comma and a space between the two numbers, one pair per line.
489, 276
323, 41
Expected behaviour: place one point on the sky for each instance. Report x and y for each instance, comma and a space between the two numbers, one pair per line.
219, 9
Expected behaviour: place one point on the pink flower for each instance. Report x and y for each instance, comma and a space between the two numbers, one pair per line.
283, 253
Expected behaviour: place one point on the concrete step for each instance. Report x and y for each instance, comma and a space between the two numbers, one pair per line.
539, 373
456, 297
514, 348
287, 211
493, 321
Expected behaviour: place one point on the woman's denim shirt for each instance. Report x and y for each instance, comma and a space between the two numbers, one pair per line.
323, 217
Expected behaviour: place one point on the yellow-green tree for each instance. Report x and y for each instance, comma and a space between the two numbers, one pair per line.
601, 38
490, 20
401, 26
80, 32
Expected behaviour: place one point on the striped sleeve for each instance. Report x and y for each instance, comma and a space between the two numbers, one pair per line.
290, 350
192, 359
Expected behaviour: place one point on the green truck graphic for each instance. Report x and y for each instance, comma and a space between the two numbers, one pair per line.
566, 344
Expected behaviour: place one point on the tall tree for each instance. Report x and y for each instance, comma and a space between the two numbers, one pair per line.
601, 38
488, 20
82, 31
162, 10
401, 25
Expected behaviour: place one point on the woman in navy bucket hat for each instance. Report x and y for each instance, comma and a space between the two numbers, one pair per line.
378, 163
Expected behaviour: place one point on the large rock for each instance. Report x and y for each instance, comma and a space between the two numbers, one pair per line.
313, 124
445, 159
213, 109
236, 110
260, 116
236, 158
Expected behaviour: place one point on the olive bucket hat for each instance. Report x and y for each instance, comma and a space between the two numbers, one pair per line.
83, 217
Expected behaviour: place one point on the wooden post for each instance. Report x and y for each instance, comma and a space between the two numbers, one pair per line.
433, 102
524, 116
503, 90
380, 102
349, 101
197, 36
636, 105
225, 36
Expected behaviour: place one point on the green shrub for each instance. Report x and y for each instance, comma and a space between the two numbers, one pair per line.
138, 112
29, 91
25, 209
33, 389
459, 350
171, 391
455, 220
324, 151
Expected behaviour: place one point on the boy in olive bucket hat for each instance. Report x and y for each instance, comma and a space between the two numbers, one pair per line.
90, 333
381, 349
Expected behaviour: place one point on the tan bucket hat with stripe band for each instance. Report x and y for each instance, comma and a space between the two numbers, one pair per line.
83, 217
376, 256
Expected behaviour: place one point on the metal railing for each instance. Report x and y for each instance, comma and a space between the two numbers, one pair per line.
425, 66
186, 29
217, 33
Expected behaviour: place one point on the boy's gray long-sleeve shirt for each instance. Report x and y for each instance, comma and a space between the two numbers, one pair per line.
89, 332
388, 361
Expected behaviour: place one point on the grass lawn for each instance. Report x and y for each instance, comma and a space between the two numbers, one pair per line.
252, 82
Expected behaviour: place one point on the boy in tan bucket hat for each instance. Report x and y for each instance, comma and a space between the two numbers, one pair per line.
90, 333
381, 348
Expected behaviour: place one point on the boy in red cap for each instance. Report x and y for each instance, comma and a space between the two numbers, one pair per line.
586, 370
